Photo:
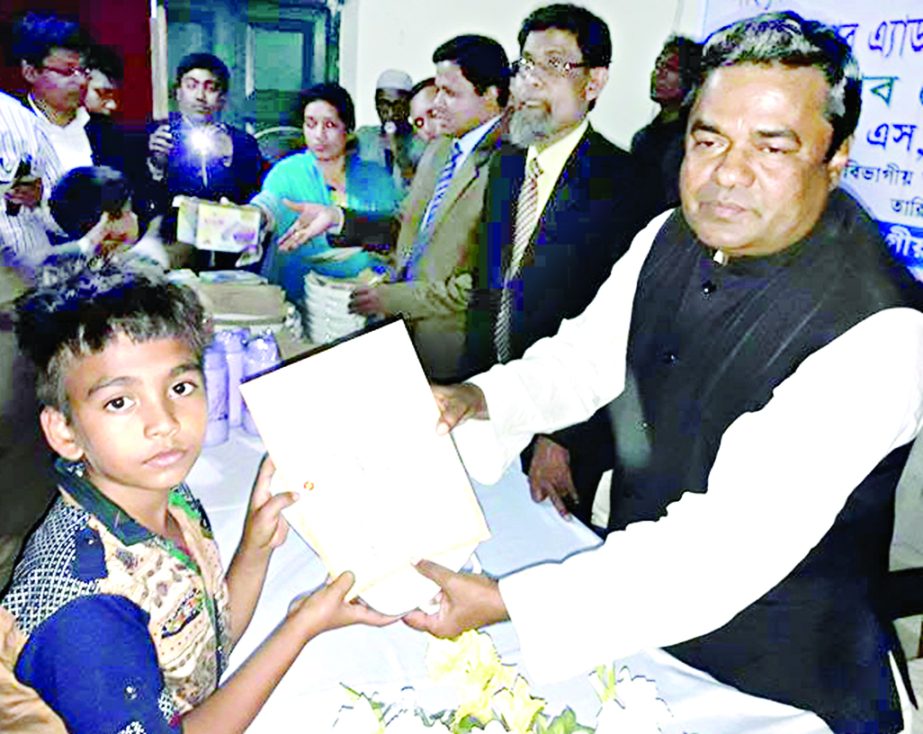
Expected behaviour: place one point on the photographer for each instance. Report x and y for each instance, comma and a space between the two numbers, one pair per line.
195, 154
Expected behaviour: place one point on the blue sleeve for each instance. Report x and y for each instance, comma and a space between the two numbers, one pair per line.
298, 178
94, 663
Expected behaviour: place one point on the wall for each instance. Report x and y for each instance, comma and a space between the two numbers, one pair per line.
380, 34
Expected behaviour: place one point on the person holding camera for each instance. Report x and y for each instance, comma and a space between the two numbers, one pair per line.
192, 152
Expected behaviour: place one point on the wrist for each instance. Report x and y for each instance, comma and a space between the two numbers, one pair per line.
476, 401
495, 607
251, 555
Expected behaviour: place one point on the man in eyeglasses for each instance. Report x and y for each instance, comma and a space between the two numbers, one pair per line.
52, 54
563, 204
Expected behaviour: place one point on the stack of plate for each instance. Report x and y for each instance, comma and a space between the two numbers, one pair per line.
327, 306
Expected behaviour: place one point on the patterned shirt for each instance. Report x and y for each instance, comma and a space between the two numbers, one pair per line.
23, 238
115, 628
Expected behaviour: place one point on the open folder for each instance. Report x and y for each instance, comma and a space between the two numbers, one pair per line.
351, 428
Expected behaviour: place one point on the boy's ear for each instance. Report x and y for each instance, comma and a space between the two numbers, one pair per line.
60, 434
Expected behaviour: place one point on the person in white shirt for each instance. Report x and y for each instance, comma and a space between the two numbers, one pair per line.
51, 52
29, 168
764, 362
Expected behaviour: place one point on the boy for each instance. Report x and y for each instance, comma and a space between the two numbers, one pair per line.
92, 206
118, 618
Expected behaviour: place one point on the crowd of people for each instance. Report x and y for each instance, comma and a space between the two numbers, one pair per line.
705, 332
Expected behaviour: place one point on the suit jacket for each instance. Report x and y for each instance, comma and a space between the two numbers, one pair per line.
597, 206
435, 302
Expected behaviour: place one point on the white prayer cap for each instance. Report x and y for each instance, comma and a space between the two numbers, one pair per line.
394, 79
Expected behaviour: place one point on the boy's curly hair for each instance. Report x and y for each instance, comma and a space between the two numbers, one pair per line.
78, 307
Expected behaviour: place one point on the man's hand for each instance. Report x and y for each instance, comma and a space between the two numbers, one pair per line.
265, 529
313, 219
327, 608
549, 475
466, 601
366, 300
458, 403
25, 192
159, 145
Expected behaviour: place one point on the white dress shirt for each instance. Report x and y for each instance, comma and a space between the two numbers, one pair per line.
781, 476
69, 142
23, 237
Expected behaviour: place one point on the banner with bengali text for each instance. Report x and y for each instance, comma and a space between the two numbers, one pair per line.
885, 168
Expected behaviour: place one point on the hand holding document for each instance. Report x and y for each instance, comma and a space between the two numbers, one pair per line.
350, 428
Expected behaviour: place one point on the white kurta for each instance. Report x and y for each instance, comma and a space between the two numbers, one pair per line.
781, 476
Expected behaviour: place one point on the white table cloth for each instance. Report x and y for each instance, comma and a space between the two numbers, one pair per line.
386, 660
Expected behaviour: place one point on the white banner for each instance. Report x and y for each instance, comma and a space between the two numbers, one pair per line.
885, 170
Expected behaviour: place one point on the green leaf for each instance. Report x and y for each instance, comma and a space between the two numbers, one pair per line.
565, 723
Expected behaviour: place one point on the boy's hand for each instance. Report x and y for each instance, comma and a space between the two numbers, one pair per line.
265, 528
327, 608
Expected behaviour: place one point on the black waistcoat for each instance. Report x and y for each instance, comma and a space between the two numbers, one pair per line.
710, 342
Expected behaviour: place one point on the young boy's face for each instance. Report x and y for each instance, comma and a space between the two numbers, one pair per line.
138, 414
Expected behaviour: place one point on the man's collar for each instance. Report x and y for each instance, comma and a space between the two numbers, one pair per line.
555, 155
469, 141
118, 522
81, 117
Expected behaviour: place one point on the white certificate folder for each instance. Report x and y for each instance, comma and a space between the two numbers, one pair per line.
351, 428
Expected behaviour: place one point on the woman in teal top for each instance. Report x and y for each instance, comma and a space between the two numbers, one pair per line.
327, 173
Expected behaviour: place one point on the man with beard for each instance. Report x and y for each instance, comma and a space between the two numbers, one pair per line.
763, 356
562, 205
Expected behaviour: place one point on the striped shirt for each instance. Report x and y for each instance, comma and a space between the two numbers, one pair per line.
23, 238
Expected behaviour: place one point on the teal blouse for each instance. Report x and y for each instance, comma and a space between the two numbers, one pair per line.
369, 190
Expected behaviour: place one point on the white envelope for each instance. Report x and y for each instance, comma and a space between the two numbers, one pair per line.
351, 428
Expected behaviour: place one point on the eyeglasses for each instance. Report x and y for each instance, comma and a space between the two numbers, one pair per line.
553, 67
73, 71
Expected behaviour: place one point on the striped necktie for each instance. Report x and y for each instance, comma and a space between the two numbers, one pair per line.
523, 227
408, 271
442, 186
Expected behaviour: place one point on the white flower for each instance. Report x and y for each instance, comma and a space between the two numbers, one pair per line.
614, 719
359, 717
638, 693
636, 707
407, 722
494, 727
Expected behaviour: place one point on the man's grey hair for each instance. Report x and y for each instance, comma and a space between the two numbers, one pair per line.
787, 39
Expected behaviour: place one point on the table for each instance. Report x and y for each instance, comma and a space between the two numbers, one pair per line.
389, 659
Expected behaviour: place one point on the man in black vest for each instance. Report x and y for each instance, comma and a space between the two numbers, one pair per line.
765, 359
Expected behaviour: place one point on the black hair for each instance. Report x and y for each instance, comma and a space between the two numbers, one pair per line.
107, 60
482, 61
689, 53
421, 85
591, 31
81, 196
35, 35
334, 95
209, 62
77, 309
787, 39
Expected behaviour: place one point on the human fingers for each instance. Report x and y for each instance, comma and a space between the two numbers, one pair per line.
566, 488
456, 404
161, 141
340, 586
294, 237
537, 489
264, 475
559, 504
423, 622
434, 572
